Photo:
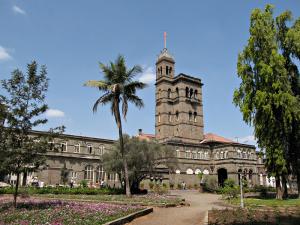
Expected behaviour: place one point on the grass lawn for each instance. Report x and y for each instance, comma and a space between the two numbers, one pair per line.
145, 200
38, 211
257, 202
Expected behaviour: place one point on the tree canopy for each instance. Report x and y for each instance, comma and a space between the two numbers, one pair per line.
268, 96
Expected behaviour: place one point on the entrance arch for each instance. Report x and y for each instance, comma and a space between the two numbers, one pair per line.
222, 176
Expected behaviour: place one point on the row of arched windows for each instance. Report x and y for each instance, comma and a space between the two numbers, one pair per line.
90, 173
192, 117
190, 171
168, 70
189, 93
221, 155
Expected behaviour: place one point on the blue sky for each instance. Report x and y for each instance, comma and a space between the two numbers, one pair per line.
71, 37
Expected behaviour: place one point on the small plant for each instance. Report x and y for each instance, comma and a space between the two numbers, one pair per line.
179, 186
151, 185
83, 183
171, 186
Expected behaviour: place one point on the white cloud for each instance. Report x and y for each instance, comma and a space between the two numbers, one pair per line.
148, 76
18, 10
54, 113
4, 55
248, 140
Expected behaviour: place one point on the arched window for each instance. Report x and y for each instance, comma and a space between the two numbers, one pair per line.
177, 92
217, 155
206, 172
196, 94
195, 117
197, 171
250, 174
190, 116
189, 171
191, 93
169, 93
161, 70
187, 92
99, 174
167, 70
170, 70
88, 172
177, 171
177, 115
170, 117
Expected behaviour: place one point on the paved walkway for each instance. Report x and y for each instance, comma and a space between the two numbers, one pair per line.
186, 215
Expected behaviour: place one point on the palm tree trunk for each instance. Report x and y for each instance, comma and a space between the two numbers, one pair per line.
119, 123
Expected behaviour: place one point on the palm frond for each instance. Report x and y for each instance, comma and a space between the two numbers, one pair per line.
135, 100
107, 72
102, 85
124, 107
133, 72
104, 99
133, 86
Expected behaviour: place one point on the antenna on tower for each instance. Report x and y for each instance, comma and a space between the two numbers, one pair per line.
165, 39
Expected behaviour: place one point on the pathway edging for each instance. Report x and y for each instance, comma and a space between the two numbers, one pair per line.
130, 217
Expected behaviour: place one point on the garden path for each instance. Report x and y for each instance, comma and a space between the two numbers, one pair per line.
187, 215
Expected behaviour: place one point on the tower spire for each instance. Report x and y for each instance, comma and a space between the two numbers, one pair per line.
165, 39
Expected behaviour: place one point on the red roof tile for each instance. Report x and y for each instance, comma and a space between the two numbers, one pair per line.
210, 137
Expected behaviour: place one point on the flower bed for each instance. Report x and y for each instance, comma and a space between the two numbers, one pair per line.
37, 211
254, 217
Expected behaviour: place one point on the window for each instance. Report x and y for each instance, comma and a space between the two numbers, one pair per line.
195, 94
217, 155
73, 174
99, 174
177, 171
187, 92
101, 150
170, 117
51, 146
197, 171
226, 154
177, 153
194, 155
77, 148
206, 172
90, 149
191, 93
177, 115
189, 171
111, 177
88, 172
159, 117
239, 154
63, 146
177, 92
190, 116
170, 70
167, 70
222, 155
169, 93
195, 117
206, 155
188, 155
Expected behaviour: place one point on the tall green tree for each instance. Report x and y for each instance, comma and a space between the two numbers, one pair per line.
119, 88
265, 95
143, 159
24, 101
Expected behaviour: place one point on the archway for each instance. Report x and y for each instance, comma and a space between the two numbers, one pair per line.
222, 176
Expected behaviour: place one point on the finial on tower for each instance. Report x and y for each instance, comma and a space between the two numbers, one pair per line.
165, 39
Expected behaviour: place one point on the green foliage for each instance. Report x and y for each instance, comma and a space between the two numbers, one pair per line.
64, 190
84, 183
268, 96
211, 184
160, 189
142, 158
119, 88
229, 182
151, 185
171, 186
230, 190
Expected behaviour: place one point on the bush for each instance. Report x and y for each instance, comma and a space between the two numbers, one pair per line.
229, 182
151, 185
83, 183
211, 184
160, 189
171, 186
179, 186
142, 185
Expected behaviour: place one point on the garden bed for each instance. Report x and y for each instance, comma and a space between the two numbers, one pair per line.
38, 211
252, 216
143, 200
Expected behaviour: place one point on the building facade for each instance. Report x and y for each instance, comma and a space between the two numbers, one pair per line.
179, 124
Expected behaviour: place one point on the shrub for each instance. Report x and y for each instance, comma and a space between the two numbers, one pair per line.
83, 183
142, 185
171, 186
229, 182
151, 185
160, 189
179, 186
196, 186
211, 184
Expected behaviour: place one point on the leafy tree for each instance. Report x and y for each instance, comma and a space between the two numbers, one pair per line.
119, 88
265, 96
142, 158
22, 152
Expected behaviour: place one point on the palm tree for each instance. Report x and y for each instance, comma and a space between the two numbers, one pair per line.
119, 87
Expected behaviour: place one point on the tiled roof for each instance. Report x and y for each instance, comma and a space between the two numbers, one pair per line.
210, 137
146, 137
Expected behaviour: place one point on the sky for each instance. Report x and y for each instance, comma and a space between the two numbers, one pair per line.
72, 37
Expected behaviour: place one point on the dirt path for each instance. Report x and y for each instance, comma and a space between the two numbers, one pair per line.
188, 215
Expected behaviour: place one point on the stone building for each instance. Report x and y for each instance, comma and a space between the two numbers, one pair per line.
179, 124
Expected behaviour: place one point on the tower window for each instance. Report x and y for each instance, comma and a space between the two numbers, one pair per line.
177, 115
170, 117
170, 70
187, 92
159, 117
169, 93
167, 70
196, 94
190, 116
90, 149
191, 93
195, 117
177, 92
160, 70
